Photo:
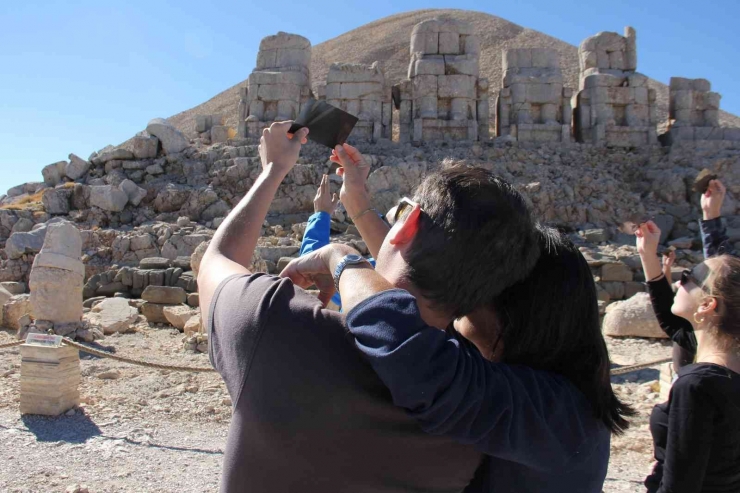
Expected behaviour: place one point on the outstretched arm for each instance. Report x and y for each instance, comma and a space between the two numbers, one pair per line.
232, 247
512, 412
713, 232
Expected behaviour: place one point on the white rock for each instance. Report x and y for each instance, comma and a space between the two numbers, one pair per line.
77, 167
113, 315
145, 146
108, 198
179, 315
173, 141
20, 243
135, 193
632, 318
53, 173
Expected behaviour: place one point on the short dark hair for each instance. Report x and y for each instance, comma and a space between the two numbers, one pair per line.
550, 321
476, 237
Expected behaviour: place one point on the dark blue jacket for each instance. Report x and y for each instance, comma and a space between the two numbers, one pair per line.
538, 430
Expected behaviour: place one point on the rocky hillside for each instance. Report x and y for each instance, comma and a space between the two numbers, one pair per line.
387, 40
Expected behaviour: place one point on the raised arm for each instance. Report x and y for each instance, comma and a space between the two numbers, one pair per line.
713, 231
531, 417
356, 199
232, 247
661, 296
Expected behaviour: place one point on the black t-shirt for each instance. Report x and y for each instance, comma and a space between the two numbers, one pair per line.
310, 414
696, 433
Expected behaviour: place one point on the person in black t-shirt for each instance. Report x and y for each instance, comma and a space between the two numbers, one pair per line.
696, 434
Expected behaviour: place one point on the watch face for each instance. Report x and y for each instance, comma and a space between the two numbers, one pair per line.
352, 258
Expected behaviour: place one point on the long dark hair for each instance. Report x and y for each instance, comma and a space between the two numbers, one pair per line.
550, 321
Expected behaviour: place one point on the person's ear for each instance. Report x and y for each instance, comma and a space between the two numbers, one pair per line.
707, 307
407, 228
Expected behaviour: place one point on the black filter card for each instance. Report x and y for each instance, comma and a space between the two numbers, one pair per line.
327, 124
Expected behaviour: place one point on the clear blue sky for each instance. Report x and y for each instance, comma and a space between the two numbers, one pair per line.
78, 75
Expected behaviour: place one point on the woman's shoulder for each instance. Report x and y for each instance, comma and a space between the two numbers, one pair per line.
708, 379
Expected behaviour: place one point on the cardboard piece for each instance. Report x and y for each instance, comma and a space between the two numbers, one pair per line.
327, 124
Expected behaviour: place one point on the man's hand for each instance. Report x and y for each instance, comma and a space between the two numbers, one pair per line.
711, 200
325, 201
648, 237
278, 149
354, 171
316, 269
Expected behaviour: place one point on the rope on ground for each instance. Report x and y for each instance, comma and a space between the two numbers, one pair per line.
639, 366
11, 344
148, 364
105, 354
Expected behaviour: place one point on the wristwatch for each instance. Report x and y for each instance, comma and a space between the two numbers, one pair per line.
350, 259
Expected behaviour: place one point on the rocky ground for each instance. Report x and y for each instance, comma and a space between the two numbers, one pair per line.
141, 429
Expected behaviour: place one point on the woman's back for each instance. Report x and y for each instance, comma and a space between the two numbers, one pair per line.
702, 449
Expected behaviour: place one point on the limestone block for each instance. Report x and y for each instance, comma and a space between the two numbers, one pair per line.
682, 100
113, 315
54, 173
164, 295
424, 86
56, 201
278, 92
108, 198
711, 100
14, 309
616, 272
428, 65
287, 110
449, 43
219, 134
544, 93
357, 90
292, 57
425, 43
637, 115
616, 60
284, 40
21, 243
518, 93
178, 316
456, 86
426, 107
77, 167
545, 58
145, 147
272, 78
173, 141
711, 118
461, 64
257, 110
56, 294
471, 45
632, 318
134, 193
202, 123
640, 95
50, 379
701, 85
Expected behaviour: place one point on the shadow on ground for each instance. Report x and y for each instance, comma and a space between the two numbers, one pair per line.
71, 429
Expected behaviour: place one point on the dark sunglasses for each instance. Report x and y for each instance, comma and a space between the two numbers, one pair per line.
688, 276
404, 205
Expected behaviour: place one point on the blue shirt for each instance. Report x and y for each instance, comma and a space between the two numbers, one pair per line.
317, 236
538, 430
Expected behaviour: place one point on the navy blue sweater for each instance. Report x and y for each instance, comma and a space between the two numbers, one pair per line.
537, 429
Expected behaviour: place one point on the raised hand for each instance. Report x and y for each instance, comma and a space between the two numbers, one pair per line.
325, 201
354, 171
278, 149
648, 237
312, 270
711, 200
668, 260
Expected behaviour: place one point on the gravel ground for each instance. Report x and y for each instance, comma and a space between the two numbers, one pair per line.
146, 430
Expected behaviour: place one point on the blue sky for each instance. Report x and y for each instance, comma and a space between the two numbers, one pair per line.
78, 75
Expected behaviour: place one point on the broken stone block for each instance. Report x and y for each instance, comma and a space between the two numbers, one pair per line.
173, 141
113, 315
164, 295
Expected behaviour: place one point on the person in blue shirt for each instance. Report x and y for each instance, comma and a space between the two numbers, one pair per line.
318, 228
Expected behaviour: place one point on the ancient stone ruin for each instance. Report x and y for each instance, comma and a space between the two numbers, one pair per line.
443, 98
278, 86
693, 112
614, 105
533, 105
361, 90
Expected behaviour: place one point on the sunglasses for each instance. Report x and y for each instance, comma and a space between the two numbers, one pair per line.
688, 276
404, 205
